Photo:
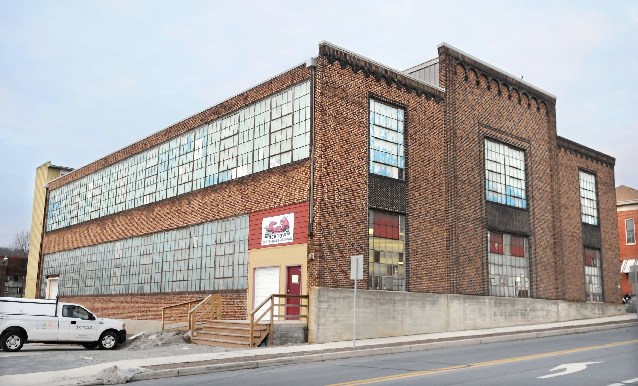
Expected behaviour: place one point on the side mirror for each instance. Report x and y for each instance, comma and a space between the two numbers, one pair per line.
91, 317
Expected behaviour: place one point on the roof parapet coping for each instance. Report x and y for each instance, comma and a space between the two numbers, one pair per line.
512, 78
436, 90
586, 151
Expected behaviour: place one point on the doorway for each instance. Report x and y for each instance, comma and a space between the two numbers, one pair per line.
293, 287
266, 284
52, 288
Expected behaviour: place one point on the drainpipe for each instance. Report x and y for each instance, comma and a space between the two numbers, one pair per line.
312, 65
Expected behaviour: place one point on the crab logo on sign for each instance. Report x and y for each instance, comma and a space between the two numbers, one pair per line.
277, 229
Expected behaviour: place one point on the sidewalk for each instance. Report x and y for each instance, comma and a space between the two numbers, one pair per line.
191, 364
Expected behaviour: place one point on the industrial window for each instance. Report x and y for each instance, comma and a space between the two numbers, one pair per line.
386, 140
508, 260
630, 230
593, 277
588, 201
266, 134
205, 257
386, 251
505, 174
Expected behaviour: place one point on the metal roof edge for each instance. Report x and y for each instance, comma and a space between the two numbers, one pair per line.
465, 55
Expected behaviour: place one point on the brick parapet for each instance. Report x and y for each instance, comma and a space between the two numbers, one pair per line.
342, 137
480, 105
572, 240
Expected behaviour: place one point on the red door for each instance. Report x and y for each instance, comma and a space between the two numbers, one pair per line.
293, 287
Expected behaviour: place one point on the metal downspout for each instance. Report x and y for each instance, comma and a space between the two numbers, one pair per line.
312, 65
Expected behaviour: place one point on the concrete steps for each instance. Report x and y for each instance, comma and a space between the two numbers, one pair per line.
230, 334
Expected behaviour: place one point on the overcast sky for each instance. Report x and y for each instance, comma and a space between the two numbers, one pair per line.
81, 79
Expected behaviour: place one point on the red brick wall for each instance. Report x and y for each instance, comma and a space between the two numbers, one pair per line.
149, 307
572, 262
341, 176
483, 103
627, 251
300, 228
280, 187
274, 188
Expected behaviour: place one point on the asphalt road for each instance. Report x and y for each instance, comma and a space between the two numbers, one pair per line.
608, 357
37, 357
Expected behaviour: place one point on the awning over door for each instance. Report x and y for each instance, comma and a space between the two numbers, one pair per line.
627, 264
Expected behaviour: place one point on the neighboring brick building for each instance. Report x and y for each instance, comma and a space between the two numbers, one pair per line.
13, 276
448, 177
627, 206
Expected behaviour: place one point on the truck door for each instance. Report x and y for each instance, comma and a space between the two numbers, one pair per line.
76, 325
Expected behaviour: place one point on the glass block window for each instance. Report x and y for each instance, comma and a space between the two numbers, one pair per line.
386, 251
630, 231
386, 140
272, 132
508, 261
210, 256
505, 174
588, 201
593, 277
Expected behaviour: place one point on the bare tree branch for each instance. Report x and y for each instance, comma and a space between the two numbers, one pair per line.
21, 243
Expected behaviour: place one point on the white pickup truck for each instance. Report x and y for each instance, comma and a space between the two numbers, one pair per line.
50, 321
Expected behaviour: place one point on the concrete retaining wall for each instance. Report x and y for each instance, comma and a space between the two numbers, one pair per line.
386, 313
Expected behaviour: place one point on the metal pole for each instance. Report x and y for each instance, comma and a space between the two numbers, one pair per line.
354, 306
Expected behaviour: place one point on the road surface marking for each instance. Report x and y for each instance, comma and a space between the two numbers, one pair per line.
480, 364
569, 368
624, 383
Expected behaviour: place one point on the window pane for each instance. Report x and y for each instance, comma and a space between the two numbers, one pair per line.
505, 174
593, 277
508, 264
386, 140
631, 231
588, 203
386, 252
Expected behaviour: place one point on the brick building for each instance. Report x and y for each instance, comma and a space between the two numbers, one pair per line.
13, 276
627, 206
448, 177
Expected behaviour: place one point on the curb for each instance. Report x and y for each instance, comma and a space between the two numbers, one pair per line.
254, 362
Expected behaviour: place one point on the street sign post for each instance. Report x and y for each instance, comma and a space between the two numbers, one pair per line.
356, 273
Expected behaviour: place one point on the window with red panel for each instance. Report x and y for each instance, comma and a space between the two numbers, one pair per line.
386, 225
496, 243
592, 257
518, 246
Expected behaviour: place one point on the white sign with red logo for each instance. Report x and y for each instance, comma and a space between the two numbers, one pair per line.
277, 229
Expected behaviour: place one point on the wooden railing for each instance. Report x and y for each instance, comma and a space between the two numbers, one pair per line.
176, 315
208, 309
179, 316
273, 310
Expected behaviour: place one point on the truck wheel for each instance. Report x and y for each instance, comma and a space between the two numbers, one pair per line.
90, 345
12, 340
108, 340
